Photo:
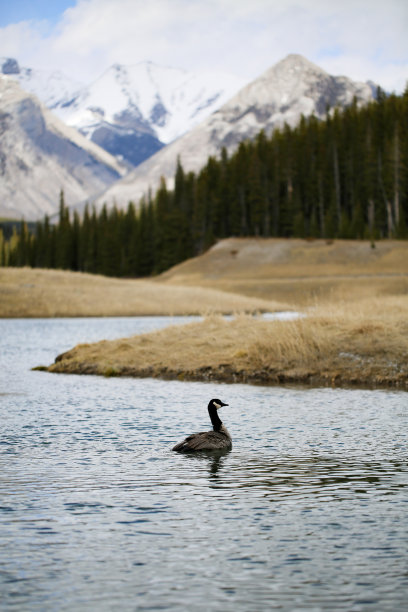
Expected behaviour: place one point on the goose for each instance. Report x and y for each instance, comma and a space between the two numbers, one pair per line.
218, 439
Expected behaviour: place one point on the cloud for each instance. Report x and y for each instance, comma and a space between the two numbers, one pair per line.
359, 38
21, 37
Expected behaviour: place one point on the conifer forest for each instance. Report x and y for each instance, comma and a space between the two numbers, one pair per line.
343, 177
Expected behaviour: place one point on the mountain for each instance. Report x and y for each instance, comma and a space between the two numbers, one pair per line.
49, 87
40, 155
130, 111
289, 89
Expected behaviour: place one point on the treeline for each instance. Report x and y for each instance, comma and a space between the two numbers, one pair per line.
344, 177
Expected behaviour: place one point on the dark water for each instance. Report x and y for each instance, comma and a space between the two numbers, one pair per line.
307, 512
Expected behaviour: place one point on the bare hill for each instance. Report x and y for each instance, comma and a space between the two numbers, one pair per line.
238, 274
298, 271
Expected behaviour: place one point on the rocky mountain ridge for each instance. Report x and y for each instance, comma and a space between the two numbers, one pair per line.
291, 88
130, 111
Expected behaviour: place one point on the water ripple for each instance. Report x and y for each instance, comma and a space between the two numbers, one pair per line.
306, 512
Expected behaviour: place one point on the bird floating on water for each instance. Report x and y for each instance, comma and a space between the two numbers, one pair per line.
218, 439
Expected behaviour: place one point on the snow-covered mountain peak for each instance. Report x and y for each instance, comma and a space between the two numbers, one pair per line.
130, 110
169, 100
290, 88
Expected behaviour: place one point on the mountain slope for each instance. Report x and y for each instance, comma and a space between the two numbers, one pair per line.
131, 111
39, 156
292, 87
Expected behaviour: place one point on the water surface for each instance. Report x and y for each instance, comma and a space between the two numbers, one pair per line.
307, 512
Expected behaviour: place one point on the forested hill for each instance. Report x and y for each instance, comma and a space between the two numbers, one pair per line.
344, 177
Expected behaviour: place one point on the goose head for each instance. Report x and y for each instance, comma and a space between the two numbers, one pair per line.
216, 403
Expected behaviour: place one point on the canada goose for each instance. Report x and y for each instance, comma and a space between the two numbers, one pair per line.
218, 439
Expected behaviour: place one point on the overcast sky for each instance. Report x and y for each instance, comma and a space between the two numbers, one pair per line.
362, 39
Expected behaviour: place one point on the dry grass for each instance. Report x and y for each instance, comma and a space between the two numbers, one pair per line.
299, 272
356, 299
238, 274
25, 292
366, 345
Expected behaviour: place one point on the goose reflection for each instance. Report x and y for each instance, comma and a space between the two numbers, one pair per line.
214, 459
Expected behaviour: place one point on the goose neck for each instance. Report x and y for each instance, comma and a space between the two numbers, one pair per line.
215, 419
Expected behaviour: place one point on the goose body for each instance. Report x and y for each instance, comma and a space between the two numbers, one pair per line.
217, 439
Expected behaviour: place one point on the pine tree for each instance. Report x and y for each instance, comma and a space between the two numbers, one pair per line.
63, 253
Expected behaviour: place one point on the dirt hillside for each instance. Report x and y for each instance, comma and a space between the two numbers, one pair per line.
298, 271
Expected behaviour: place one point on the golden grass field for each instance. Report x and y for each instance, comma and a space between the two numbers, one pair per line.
287, 274
355, 298
26, 292
299, 272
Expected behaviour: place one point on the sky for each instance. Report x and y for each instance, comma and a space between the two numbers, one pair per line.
361, 39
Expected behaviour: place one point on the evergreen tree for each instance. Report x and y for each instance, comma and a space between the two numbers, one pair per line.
64, 247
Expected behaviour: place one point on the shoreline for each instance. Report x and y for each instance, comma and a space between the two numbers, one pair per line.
225, 375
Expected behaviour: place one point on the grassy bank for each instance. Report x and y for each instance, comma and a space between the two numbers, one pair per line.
26, 292
299, 272
366, 345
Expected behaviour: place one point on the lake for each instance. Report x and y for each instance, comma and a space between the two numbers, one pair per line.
308, 511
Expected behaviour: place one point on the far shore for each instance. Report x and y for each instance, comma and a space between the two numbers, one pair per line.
235, 275
26, 292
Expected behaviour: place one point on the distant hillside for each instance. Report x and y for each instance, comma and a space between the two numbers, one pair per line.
262, 259
298, 272
59, 293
